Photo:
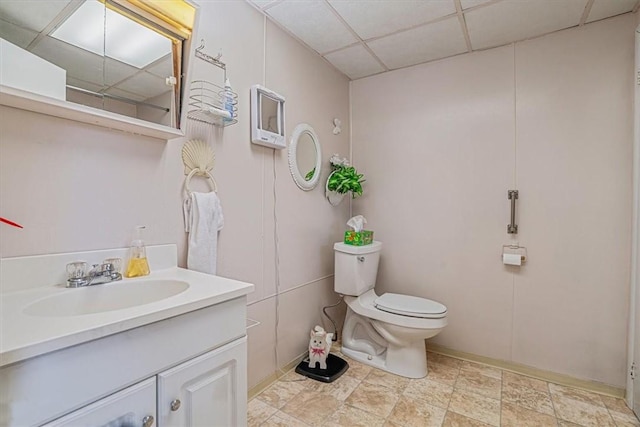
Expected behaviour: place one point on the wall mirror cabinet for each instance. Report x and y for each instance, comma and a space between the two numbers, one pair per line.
126, 57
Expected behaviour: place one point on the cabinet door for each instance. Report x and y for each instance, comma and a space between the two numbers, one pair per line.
126, 408
208, 391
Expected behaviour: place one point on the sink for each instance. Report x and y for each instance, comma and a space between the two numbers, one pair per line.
107, 297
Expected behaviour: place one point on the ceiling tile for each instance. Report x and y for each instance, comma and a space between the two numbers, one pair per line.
116, 71
314, 23
72, 81
34, 15
16, 35
422, 44
605, 8
466, 4
144, 84
124, 94
374, 18
162, 68
79, 63
355, 62
262, 3
512, 20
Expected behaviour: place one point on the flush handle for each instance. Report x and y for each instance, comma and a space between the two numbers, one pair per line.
361, 258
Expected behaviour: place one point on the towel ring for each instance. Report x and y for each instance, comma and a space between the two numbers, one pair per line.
199, 172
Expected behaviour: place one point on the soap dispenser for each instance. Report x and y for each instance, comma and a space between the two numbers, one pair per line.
138, 264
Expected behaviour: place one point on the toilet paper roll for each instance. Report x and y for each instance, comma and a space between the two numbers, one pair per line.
512, 259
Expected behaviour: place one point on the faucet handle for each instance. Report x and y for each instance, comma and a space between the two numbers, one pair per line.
112, 265
76, 269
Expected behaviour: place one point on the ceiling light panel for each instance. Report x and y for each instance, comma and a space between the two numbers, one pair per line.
33, 15
602, 9
374, 18
421, 44
126, 40
513, 20
314, 23
355, 62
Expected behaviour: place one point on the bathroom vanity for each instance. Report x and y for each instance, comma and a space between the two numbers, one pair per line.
168, 350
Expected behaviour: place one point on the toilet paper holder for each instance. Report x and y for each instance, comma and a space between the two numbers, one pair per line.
515, 250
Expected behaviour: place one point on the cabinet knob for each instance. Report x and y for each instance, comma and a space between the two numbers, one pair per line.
147, 421
175, 404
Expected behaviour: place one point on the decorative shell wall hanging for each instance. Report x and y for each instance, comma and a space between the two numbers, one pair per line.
198, 155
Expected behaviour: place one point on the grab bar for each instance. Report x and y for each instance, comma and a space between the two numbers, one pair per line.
512, 228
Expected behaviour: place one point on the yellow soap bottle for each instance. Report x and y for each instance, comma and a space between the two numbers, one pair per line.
138, 264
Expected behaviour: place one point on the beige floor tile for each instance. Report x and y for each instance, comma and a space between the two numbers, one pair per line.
624, 420
280, 419
475, 406
487, 371
373, 398
452, 419
258, 412
582, 413
476, 382
442, 373
394, 382
615, 404
575, 394
340, 388
350, 416
562, 423
312, 407
391, 424
521, 381
517, 416
411, 412
280, 393
431, 392
357, 369
535, 397
443, 360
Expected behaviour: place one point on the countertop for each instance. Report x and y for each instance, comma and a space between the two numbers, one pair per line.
23, 336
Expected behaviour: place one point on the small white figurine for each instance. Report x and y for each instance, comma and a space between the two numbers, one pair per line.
319, 347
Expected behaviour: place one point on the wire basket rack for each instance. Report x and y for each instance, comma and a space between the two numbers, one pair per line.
211, 103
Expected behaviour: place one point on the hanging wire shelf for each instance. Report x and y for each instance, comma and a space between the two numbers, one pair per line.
207, 104
211, 103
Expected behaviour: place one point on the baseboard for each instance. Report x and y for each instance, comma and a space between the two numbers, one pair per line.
540, 374
255, 390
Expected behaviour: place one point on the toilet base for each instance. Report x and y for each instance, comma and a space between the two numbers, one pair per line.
409, 362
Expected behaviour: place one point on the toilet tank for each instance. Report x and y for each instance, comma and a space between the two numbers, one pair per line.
356, 268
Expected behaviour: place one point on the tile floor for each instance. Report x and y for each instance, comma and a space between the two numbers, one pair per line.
455, 393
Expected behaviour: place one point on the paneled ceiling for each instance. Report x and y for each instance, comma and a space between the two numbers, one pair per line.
366, 37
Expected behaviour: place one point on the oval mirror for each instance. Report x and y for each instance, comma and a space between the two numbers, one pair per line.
304, 157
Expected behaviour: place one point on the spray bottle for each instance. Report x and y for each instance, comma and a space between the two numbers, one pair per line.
138, 264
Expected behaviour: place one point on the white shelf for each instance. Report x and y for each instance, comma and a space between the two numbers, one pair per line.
23, 100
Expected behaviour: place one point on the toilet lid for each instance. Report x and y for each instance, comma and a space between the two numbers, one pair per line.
406, 305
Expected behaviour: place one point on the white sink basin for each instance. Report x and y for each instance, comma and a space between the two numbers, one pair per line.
106, 297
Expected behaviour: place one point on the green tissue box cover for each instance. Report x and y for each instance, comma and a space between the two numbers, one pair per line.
358, 238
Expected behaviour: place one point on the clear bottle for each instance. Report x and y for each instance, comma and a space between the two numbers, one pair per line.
138, 264
228, 100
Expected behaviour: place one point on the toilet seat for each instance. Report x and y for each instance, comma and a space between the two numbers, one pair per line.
407, 305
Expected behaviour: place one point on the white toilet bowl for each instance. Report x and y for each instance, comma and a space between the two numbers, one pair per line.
388, 332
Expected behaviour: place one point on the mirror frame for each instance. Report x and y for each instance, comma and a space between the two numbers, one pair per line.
298, 132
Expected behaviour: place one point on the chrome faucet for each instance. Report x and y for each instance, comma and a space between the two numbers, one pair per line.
106, 272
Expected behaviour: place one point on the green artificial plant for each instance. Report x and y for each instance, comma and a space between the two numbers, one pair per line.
345, 178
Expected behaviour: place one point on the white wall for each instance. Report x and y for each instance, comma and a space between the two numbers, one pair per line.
440, 145
77, 187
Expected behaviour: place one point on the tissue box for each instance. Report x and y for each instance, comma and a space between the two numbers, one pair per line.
358, 238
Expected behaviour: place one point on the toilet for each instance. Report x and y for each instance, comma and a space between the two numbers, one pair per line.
386, 331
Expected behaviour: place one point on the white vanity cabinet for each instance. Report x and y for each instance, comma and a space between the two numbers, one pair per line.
209, 390
132, 407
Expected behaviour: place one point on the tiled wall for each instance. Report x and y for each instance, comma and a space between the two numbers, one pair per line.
441, 143
78, 187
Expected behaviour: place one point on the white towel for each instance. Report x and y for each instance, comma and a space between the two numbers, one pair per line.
203, 219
